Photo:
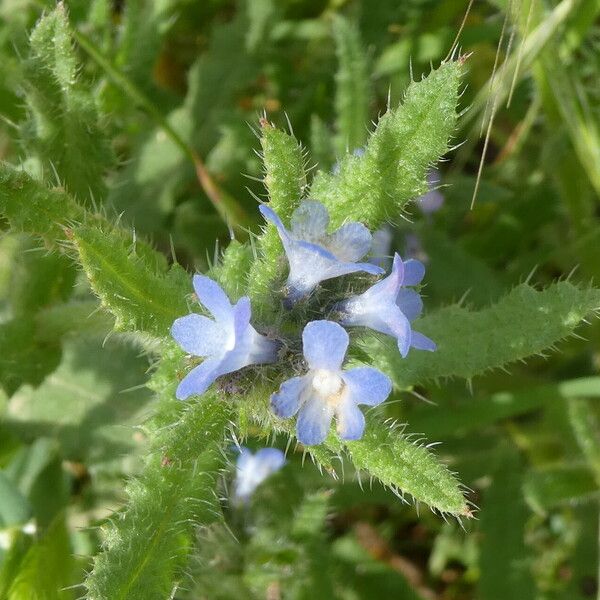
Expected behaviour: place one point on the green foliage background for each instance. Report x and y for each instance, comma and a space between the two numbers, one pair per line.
136, 137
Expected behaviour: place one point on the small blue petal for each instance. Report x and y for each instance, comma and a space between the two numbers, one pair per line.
310, 221
341, 268
422, 342
414, 271
381, 247
384, 289
314, 421
199, 379
433, 200
241, 316
410, 303
350, 242
197, 335
211, 295
244, 458
253, 469
272, 459
367, 385
350, 421
325, 344
286, 402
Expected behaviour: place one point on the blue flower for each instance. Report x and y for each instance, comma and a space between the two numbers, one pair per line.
253, 469
313, 254
382, 244
431, 201
228, 342
389, 307
326, 390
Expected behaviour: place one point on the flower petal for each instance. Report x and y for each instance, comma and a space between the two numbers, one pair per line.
197, 334
381, 246
389, 286
422, 342
310, 264
325, 344
199, 379
389, 320
242, 312
350, 420
314, 421
244, 458
430, 202
350, 242
309, 221
367, 385
410, 303
414, 271
286, 402
344, 268
271, 459
270, 215
211, 295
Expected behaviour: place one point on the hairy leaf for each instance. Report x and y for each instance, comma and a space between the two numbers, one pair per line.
133, 285
352, 87
146, 545
393, 169
406, 466
63, 129
523, 323
30, 206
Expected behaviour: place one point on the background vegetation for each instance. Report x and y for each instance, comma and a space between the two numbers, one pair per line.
133, 126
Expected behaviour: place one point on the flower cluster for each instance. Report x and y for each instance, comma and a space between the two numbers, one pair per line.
228, 342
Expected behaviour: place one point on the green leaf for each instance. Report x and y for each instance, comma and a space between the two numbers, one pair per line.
406, 466
133, 284
472, 414
63, 129
37, 470
14, 508
523, 323
408, 139
311, 515
505, 570
146, 546
39, 279
88, 403
30, 206
232, 271
25, 357
46, 569
352, 86
586, 428
562, 485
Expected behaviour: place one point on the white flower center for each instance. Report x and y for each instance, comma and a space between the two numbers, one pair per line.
328, 384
